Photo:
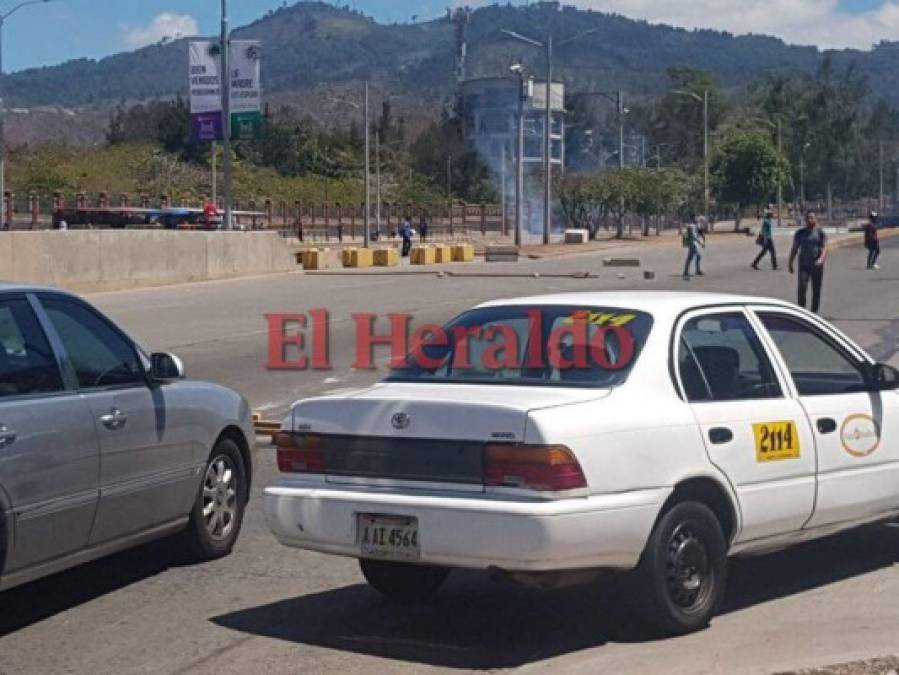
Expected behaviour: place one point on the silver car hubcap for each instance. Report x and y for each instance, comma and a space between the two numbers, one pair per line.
220, 498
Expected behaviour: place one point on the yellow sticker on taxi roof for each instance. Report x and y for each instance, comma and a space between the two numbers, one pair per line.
776, 441
600, 318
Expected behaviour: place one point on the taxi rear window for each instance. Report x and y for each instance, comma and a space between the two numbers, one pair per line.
593, 347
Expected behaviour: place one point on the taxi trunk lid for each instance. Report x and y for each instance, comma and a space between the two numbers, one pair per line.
423, 433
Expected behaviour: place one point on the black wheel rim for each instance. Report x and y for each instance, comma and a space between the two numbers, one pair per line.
689, 573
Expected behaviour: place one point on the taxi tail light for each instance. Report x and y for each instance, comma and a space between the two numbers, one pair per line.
300, 453
544, 468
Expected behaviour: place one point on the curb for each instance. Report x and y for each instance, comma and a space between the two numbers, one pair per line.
458, 275
856, 239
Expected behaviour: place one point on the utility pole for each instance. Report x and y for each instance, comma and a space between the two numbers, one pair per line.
367, 218
882, 202
225, 77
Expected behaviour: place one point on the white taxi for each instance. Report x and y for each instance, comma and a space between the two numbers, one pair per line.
553, 437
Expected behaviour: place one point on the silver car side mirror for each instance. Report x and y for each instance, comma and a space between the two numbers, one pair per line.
166, 367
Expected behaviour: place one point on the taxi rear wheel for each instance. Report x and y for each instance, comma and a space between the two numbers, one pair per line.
403, 582
682, 576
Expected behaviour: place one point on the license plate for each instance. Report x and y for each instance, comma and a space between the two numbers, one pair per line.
389, 537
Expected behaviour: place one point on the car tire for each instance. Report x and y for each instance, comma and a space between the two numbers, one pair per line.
680, 582
403, 582
218, 511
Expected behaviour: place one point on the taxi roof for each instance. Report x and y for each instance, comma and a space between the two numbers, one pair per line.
652, 302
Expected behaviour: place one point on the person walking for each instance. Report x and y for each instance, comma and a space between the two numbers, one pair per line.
810, 246
693, 239
406, 234
766, 241
872, 241
423, 230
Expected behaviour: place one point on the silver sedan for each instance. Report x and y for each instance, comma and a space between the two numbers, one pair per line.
104, 447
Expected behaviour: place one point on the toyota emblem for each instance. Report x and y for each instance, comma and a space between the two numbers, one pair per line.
401, 421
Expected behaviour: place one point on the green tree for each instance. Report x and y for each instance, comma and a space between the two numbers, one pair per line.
747, 170
835, 113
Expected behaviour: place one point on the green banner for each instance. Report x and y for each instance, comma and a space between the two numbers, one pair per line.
246, 126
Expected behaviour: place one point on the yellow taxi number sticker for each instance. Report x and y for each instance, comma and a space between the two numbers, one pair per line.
776, 441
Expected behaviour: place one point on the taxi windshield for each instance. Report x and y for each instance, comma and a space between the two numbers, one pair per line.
561, 346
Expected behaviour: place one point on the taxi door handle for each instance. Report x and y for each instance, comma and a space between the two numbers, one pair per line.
826, 425
721, 435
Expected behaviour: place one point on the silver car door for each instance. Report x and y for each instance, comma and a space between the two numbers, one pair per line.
49, 462
148, 475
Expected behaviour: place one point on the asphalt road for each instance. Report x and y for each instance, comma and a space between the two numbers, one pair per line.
270, 609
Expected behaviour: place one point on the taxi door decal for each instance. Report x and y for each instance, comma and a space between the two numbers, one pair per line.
776, 441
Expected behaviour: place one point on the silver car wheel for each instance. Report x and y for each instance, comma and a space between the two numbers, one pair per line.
220, 498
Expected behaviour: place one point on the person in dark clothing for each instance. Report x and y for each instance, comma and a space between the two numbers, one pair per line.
406, 234
423, 230
810, 246
693, 238
872, 241
766, 241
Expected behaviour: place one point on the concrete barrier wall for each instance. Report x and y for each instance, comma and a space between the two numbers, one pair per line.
103, 260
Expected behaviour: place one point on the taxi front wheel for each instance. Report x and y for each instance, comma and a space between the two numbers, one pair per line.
680, 582
403, 582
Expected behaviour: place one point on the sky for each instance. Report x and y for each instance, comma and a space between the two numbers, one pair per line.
48, 34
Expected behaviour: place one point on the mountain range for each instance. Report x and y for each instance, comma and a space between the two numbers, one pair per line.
313, 52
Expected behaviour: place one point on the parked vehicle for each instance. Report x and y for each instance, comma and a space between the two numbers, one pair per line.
708, 426
103, 447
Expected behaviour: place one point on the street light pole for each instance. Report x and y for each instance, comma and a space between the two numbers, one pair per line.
705, 154
620, 129
367, 218
704, 100
547, 145
780, 186
505, 224
547, 141
225, 78
881, 203
519, 168
3, 17
378, 182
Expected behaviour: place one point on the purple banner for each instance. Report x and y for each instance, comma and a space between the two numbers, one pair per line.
208, 127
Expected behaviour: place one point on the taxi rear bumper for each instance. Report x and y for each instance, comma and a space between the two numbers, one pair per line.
607, 531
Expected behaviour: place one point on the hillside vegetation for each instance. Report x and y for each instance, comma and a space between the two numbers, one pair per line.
311, 43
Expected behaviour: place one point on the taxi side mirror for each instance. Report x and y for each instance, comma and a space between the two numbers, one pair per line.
882, 377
